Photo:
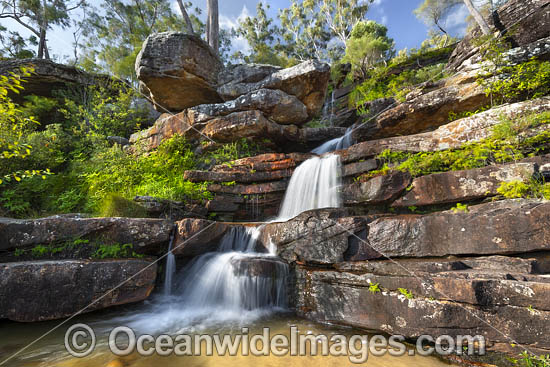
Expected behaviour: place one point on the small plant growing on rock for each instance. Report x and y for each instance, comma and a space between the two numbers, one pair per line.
39, 251
408, 294
513, 190
529, 360
460, 208
374, 288
115, 251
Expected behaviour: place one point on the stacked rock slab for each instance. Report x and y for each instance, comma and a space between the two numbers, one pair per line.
211, 105
56, 288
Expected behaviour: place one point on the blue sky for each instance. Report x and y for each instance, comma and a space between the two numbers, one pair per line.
403, 26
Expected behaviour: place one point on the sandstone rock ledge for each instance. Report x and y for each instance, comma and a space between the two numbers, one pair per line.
47, 290
474, 273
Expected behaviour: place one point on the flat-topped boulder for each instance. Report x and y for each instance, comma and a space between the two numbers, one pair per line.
145, 234
307, 81
47, 290
178, 71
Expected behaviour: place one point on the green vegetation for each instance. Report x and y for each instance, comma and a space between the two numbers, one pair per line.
383, 83
527, 359
368, 45
408, 294
374, 288
527, 80
80, 248
460, 208
506, 144
115, 251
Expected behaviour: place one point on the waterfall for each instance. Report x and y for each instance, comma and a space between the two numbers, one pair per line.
170, 267
342, 142
315, 184
241, 276
236, 277
328, 110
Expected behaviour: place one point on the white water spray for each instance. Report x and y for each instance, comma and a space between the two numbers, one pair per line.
170, 267
315, 184
342, 142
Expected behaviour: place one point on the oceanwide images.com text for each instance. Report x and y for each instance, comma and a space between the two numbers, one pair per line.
80, 341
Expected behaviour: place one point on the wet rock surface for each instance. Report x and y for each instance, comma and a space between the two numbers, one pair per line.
58, 289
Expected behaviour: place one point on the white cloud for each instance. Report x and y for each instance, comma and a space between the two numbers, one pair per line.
233, 22
237, 43
456, 21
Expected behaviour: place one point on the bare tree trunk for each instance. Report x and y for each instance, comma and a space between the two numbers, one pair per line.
42, 46
186, 19
213, 25
478, 17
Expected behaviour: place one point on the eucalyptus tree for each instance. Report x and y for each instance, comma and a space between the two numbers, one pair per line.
368, 46
38, 16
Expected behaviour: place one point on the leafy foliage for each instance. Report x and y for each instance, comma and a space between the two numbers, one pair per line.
523, 81
368, 46
527, 359
506, 144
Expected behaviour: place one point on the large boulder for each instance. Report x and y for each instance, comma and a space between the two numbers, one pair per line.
307, 81
145, 234
47, 290
178, 70
431, 297
332, 236
498, 228
198, 127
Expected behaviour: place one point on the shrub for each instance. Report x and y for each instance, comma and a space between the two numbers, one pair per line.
116, 206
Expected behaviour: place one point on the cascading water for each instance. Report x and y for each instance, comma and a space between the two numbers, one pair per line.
315, 184
236, 277
242, 277
342, 142
170, 267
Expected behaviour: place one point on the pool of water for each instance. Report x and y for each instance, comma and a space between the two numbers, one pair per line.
167, 317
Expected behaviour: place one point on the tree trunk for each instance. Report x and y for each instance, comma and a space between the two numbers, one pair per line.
213, 26
478, 17
42, 46
186, 19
